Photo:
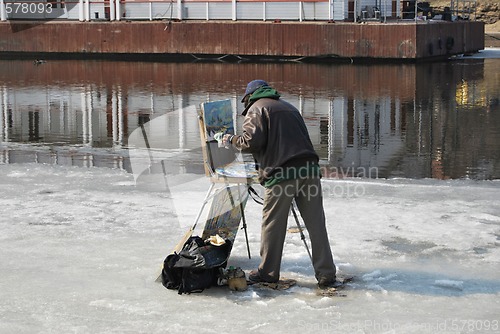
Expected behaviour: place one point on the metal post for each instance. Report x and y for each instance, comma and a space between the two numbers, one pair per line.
330, 10
112, 14
81, 16
355, 11
263, 11
416, 10
179, 9
233, 5
3, 14
385, 11
118, 10
87, 10
150, 11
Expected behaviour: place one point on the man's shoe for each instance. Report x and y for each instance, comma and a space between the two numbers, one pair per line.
254, 277
325, 283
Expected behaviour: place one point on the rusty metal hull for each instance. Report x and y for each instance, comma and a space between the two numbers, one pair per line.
411, 41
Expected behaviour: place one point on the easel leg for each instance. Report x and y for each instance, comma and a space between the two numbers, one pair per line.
244, 221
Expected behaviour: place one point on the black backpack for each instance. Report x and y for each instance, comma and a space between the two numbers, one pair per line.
196, 267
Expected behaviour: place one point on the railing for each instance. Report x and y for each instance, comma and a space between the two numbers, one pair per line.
463, 9
264, 10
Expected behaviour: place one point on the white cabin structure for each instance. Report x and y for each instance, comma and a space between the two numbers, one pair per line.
267, 10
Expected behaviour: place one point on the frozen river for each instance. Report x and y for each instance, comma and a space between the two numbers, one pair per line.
81, 248
82, 244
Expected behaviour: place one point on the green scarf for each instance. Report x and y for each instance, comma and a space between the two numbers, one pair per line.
264, 91
261, 92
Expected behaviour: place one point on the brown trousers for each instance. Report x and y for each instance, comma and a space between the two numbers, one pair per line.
277, 202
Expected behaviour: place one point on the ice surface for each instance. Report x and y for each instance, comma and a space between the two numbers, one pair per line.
81, 248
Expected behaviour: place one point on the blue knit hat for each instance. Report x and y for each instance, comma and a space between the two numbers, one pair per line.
253, 86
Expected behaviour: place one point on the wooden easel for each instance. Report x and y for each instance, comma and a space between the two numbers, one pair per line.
220, 163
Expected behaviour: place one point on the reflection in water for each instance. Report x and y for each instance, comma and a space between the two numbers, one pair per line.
435, 120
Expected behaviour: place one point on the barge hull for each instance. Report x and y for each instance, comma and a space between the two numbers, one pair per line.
404, 41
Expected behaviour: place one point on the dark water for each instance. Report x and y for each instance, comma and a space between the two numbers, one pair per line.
433, 120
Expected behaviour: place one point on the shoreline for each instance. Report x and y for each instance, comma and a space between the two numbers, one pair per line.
492, 39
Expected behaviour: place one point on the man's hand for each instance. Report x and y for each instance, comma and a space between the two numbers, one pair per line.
226, 140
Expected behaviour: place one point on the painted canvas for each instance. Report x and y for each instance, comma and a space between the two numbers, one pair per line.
218, 117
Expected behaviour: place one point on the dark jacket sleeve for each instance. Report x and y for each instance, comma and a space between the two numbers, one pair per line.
254, 136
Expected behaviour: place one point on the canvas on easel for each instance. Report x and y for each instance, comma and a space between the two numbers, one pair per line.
222, 163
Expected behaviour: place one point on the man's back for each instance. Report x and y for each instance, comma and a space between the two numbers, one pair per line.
285, 136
